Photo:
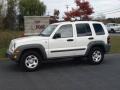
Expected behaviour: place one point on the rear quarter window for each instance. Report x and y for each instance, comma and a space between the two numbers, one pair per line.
98, 29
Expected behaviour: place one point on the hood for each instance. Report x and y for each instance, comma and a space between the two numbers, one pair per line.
29, 38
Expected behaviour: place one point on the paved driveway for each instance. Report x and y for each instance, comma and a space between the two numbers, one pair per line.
64, 75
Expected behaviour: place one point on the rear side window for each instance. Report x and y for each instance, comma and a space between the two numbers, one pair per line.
98, 29
83, 30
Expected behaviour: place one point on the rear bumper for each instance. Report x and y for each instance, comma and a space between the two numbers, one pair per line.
107, 48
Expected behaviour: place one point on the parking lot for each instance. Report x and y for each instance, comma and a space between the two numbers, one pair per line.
63, 75
115, 34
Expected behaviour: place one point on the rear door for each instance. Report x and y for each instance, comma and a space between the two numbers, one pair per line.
84, 36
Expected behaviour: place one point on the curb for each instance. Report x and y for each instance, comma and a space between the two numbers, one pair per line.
3, 59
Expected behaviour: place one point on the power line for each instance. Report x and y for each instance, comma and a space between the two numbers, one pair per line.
110, 10
109, 13
113, 12
117, 10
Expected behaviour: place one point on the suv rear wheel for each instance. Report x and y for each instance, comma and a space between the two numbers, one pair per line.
96, 56
30, 61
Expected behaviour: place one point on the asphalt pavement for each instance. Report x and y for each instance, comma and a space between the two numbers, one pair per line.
63, 75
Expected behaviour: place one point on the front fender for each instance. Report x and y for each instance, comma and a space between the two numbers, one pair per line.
32, 46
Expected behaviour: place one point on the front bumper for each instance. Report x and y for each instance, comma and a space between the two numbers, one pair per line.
12, 56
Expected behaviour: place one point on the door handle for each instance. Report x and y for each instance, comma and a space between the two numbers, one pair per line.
70, 40
91, 38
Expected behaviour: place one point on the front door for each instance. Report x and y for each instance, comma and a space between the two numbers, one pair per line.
64, 45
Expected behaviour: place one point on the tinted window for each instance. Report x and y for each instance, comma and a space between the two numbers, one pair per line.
83, 30
66, 31
98, 29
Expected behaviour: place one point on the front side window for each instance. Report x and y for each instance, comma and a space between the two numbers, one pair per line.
83, 30
49, 30
65, 31
98, 29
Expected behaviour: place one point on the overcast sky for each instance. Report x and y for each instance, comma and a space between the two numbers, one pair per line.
98, 5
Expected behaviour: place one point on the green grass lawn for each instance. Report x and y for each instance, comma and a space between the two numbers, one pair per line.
7, 36
115, 42
2, 52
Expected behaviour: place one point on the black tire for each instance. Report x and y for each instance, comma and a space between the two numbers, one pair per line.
92, 58
113, 31
24, 60
78, 58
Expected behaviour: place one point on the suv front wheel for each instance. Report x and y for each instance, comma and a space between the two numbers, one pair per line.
96, 56
30, 61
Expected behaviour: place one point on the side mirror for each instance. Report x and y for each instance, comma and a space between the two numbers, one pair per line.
57, 35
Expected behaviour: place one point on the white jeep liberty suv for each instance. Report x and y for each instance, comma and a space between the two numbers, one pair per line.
60, 40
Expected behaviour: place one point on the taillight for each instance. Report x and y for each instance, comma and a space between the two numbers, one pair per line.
109, 40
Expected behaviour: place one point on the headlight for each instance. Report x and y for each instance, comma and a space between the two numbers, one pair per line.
12, 46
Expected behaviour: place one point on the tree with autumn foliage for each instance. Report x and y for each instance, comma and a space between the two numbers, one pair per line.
83, 11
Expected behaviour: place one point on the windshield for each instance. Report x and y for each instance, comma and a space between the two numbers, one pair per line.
48, 31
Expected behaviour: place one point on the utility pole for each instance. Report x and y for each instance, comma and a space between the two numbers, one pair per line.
48, 13
67, 7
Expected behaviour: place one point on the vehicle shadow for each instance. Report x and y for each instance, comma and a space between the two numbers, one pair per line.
53, 64
62, 63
